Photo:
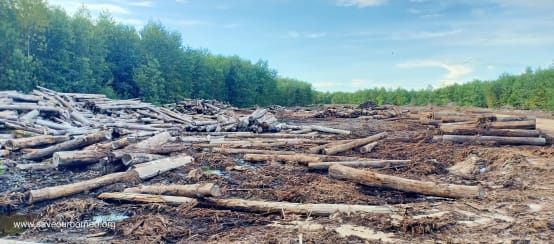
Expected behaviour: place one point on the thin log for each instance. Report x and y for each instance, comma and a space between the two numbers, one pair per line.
352, 144
34, 141
501, 140
362, 164
368, 147
193, 190
298, 208
77, 158
370, 178
129, 159
523, 124
147, 198
281, 158
81, 119
330, 130
29, 107
76, 143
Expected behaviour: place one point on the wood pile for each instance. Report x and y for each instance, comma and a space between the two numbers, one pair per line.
345, 111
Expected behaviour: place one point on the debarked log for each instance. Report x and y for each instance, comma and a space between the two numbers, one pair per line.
370, 178
298, 208
147, 198
281, 158
34, 141
352, 144
362, 164
76, 143
501, 140
77, 158
192, 190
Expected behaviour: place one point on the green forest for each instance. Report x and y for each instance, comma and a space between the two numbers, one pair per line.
43, 45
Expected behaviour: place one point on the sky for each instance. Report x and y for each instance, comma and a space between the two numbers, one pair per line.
347, 45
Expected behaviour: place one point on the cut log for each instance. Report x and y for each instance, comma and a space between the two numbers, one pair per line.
129, 159
369, 147
77, 158
362, 164
370, 178
465, 129
281, 158
330, 130
523, 124
193, 190
355, 143
29, 107
76, 143
33, 114
153, 142
154, 168
54, 192
147, 198
535, 141
81, 119
34, 141
299, 208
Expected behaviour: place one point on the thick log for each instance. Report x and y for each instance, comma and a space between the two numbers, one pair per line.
9, 115
281, 158
362, 164
147, 198
76, 143
81, 119
193, 190
368, 147
154, 168
472, 129
77, 158
129, 159
370, 178
299, 208
34, 141
29, 107
4, 153
153, 142
258, 113
352, 144
31, 115
500, 140
523, 124
330, 130
55, 192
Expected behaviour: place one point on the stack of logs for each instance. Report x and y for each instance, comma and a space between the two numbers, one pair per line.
485, 127
346, 111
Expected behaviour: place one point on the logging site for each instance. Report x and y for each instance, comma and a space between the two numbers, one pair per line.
205, 171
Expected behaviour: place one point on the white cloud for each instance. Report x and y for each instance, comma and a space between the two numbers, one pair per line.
315, 35
311, 35
293, 34
137, 23
456, 72
360, 3
231, 26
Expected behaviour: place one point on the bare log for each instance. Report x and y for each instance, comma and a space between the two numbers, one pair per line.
29, 107
193, 190
368, 147
501, 140
281, 158
523, 124
362, 164
299, 208
77, 158
355, 143
147, 198
465, 129
153, 142
129, 159
370, 178
31, 115
330, 130
34, 141
154, 168
76, 143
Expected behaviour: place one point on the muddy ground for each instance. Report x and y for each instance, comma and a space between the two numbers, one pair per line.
518, 206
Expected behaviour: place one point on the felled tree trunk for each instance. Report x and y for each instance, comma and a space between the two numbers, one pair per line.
129, 159
35, 141
501, 140
361, 164
76, 143
355, 143
194, 190
370, 178
523, 124
77, 158
147, 198
368, 147
299, 208
281, 158
330, 130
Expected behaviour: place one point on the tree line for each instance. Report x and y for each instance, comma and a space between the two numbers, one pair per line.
43, 45
529, 90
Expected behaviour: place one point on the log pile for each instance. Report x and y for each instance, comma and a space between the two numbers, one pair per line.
365, 110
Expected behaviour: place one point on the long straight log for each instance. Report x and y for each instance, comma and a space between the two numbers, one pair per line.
465, 129
362, 164
299, 208
193, 190
147, 198
370, 178
34, 141
153, 142
330, 130
77, 158
28, 107
76, 143
281, 158
129, 159
355, 143
154, 168
501, 140
523, 124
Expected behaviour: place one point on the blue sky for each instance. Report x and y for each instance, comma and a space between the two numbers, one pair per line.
346, 45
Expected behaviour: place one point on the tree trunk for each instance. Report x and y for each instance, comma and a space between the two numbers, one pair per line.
355, 143
76, 143
369, 147
154, 168
129, 159
523, 124
362, 164
281, 158
194, 190
500, 140
147, 198
299, 208
465, 129
34, 141
77, 158
370, 178
330, 130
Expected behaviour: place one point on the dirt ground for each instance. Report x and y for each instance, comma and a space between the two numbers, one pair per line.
518, 206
